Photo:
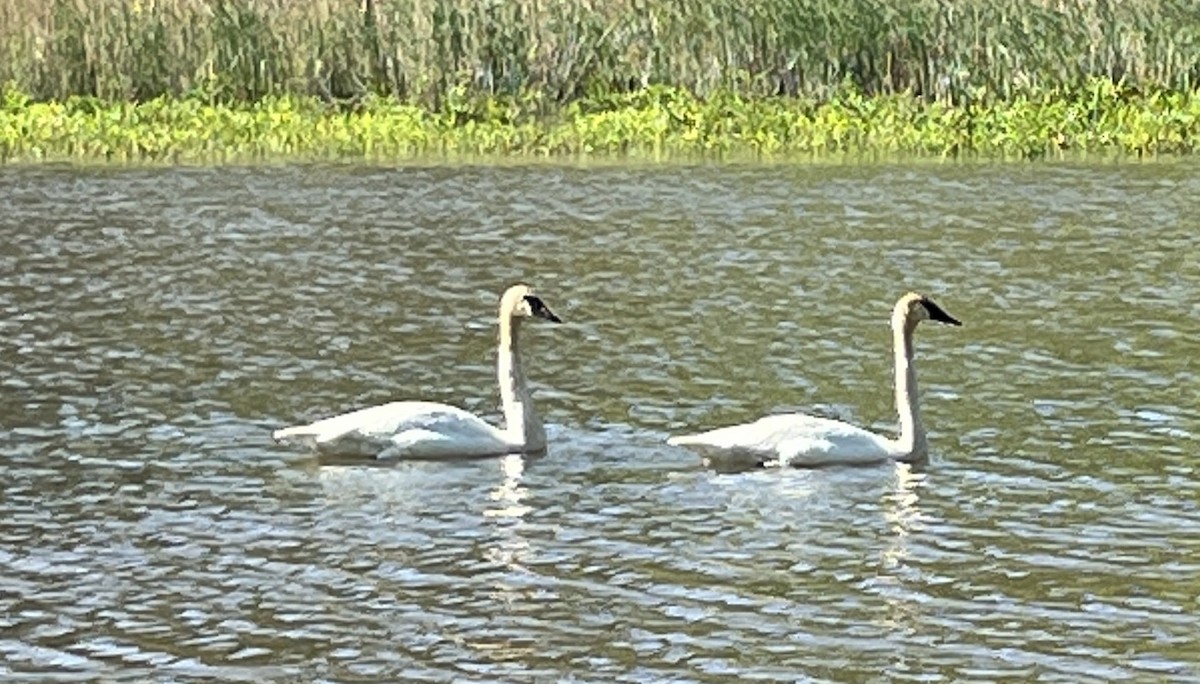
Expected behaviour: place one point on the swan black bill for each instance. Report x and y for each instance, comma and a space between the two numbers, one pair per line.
937, 313
538, 308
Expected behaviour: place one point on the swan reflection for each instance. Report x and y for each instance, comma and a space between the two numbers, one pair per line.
902, 510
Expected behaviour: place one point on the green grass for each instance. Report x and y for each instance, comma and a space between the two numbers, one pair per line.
656, 121
422, 51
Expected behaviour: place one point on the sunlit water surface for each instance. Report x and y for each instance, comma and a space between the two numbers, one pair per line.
157, 324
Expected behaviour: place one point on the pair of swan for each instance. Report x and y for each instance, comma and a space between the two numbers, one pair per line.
427, 430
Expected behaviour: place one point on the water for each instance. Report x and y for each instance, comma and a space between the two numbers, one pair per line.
156, 324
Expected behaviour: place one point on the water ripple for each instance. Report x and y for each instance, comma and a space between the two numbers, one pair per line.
149, 531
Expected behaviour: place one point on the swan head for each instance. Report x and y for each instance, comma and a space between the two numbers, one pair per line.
519, 302
915, 307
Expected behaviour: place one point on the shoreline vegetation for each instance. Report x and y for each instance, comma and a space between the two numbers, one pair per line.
221, 80
653, 123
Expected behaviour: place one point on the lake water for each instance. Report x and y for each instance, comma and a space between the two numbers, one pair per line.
157, 323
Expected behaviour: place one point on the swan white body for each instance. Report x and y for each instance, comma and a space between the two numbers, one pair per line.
798, 439
794, 439
428, 430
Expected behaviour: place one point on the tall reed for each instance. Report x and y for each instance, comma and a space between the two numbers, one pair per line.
546, 52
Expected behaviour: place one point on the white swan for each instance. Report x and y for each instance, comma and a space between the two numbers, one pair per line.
427, 430
798, 439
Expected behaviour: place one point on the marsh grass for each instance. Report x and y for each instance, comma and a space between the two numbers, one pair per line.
544, 53
222, 79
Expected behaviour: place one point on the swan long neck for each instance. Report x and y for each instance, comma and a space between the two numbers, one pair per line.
912, 441
521, 422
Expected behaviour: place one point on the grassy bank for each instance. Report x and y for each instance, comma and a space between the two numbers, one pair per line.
423, 52
654, 121
236, 79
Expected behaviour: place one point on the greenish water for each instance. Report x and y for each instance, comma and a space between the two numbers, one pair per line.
156, 324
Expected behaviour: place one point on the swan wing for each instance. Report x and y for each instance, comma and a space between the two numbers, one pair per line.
402, 429
796, 439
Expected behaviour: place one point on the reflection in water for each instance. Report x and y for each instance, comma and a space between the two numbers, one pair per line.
513, 587
507, 510
900, 504
901, 510
511, 492
149, 345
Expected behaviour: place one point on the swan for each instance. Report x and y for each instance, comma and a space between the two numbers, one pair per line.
428, 430
799, 439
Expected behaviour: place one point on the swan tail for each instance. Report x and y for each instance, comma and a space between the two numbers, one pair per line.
285, 435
